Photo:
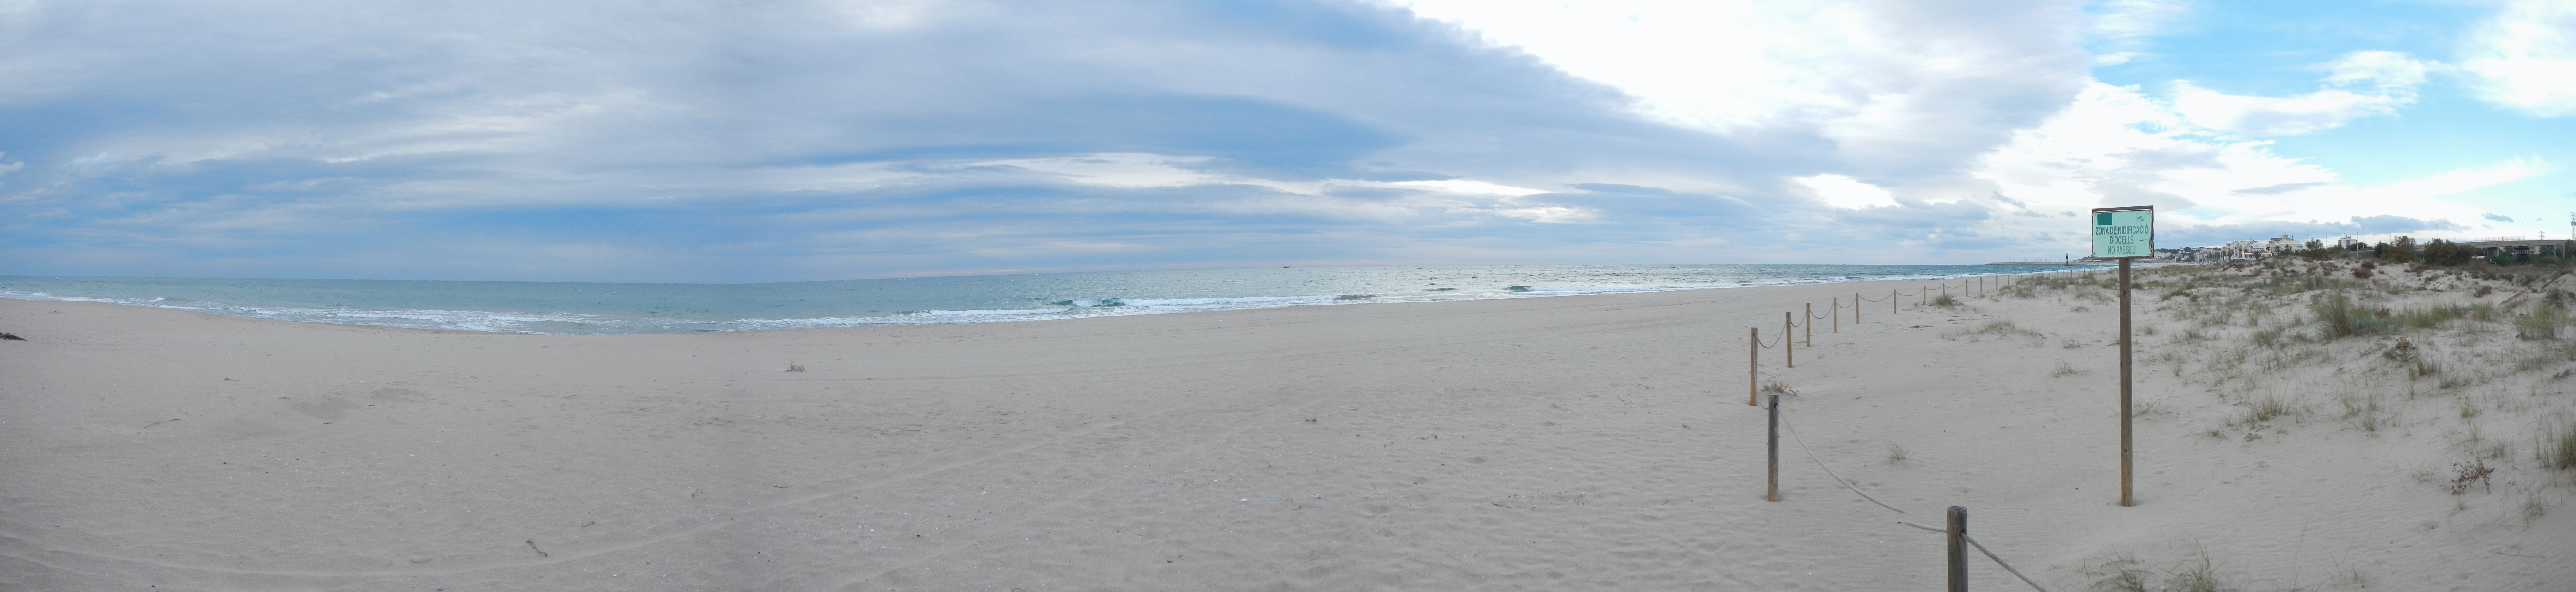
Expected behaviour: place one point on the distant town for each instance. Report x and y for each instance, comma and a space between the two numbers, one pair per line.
2503, 250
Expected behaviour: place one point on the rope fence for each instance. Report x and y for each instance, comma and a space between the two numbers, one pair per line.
1787, 342
1783, 422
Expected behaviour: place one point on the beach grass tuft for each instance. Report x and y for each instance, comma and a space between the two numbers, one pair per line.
2339, 318
2195, 577
2557, 450
2541, 323
2266, 408
2120, 575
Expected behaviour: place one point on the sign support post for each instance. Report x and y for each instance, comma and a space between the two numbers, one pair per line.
2125, 500
2125, 233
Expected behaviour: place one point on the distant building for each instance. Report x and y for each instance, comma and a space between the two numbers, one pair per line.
2198, 254
2282, 246
2243, 250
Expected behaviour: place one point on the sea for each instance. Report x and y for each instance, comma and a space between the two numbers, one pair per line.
604, 308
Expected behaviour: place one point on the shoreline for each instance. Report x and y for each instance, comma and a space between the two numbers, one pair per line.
439, 318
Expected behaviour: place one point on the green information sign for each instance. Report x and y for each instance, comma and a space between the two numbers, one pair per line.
2124, 232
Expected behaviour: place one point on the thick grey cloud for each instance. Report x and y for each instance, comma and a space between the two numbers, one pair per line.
796, 140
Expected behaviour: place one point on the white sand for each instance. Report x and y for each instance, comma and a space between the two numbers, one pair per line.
1592, 442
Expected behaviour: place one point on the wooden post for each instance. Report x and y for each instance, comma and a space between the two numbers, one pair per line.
1922, 297
1788, 347
1811, 324
1958, 549
1838, 314
1753, 377
1891, 301
1775, 447
2125, 500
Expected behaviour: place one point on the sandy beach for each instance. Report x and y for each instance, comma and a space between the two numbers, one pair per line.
1569, 443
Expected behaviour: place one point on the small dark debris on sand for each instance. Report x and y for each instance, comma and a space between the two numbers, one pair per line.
9, 337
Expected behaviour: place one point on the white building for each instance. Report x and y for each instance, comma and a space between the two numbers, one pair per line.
2283, 245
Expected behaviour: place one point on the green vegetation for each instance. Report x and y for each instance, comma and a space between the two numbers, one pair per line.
2341, 319
2400, 250
2541, 323
2442, 252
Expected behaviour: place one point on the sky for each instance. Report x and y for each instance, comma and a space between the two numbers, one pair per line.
790, 140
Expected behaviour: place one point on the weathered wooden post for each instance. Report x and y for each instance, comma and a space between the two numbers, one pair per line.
1811, 324
1838, 314
1753, 376
1775, 447
2125, 338
1958, 549
1788, 347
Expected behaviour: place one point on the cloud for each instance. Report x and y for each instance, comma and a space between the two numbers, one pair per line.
1898, 88
2385, 82
2117, 146
2497, 217
594, 140
2280, 188
2123, 25
2521, 58
1847, 193
779, 140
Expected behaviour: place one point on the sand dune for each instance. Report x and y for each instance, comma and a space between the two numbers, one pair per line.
1590, 442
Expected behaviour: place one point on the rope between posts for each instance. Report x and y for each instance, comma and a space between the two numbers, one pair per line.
1774, 342
1846, 483
1820, 463
1981, 548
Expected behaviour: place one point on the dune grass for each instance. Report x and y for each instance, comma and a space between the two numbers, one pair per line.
2557, 449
